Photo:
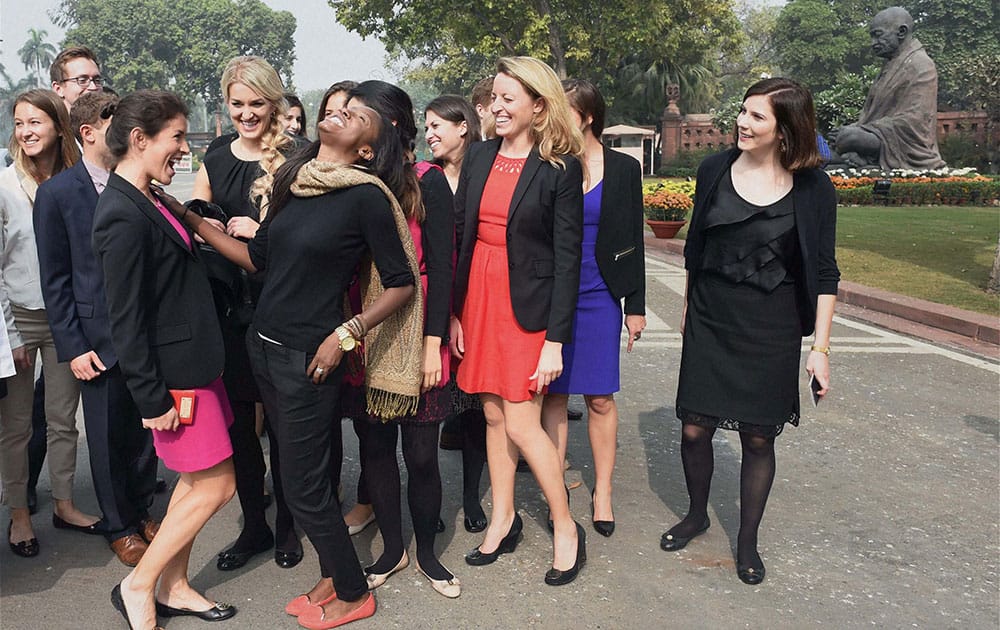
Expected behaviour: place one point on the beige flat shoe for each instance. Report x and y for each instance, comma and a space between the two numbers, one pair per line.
376, 580
449, 588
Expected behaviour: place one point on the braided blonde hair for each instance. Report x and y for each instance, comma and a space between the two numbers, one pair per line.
258, 75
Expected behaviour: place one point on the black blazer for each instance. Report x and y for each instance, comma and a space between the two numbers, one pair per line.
544, 233
72, 280
163, 321
620, 252
815, 201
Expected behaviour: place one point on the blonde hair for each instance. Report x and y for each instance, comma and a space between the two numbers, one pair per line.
552, 130
258, 75
67, 153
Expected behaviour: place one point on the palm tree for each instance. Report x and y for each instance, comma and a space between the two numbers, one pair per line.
37, 54
8, 91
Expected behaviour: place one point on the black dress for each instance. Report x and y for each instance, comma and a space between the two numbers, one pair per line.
743, 335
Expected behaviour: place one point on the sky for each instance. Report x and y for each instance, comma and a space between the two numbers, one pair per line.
317, 65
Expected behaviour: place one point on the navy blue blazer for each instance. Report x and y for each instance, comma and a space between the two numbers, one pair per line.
72, 280
163, 320
815, 201
544, 232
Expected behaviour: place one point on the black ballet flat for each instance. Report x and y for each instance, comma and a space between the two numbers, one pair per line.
475, 526
439, 527
218, 612
751, 575
478, 558
555, 577
670, 542
26, 548
231, 559
287, 559
604, 528
93, 528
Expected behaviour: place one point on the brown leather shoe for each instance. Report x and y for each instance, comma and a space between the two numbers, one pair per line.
129, 549
148, 528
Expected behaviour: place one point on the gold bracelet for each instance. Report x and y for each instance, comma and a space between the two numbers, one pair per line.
824, 349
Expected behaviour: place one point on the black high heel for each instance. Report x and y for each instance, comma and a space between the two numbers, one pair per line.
508, 544
555, 577
119, 603
548, 519
604, 528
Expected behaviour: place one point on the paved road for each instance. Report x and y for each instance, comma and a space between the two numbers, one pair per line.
884, 514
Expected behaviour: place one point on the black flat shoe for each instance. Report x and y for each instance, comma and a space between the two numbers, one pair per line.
219, 612
670, 542
26, 548
509, 543
555, 577
93, 528
750, 575
604, 528
231, 559
475, 526
439, 528
287, 559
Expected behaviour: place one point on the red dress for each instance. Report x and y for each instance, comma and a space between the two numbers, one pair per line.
500, 355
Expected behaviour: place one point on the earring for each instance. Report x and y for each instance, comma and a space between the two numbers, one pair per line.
781, 146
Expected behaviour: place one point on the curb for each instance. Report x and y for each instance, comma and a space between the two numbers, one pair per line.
975, 326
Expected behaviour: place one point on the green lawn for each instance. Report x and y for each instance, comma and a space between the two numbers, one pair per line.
939, 253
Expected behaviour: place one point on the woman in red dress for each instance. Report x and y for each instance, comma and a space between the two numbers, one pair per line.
520, 223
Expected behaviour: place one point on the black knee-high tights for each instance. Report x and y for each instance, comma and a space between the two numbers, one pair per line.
420, 452
756, 477
473, 425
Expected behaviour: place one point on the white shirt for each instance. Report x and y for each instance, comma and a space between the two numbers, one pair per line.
20, 282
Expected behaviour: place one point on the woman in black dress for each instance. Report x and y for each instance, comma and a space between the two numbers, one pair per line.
761, 275
238, 169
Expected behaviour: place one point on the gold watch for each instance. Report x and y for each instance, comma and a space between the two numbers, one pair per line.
347, 341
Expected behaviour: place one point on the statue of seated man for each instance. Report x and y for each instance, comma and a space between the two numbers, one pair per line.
898, 124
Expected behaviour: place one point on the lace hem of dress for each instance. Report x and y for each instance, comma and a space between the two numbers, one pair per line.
732, 424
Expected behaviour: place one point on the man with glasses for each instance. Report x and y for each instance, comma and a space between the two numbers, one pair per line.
74, 72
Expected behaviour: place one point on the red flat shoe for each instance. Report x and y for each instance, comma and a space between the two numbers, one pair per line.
301, 603
317, 620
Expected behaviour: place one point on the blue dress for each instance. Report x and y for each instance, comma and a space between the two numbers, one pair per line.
591, 361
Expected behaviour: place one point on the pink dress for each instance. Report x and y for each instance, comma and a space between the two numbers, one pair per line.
205, 442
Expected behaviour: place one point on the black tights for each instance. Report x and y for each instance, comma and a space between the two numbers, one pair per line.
473, 425
756, 476
423, 491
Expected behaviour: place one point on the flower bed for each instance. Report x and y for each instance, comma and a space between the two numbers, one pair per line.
667, 201
956, 187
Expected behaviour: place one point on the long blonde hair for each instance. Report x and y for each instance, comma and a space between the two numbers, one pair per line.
67, 153
258, 75
552, 130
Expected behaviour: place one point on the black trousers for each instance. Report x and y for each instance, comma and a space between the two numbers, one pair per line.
303, 417
122, 459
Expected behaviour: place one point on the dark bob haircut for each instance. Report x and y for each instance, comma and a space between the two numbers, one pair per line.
456, 109
147, 110
796, 119
586, 99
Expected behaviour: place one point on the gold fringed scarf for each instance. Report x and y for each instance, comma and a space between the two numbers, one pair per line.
394, 348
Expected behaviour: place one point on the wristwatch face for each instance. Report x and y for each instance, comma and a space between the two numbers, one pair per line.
348, 343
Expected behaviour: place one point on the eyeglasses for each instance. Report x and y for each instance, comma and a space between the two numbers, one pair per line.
83, 80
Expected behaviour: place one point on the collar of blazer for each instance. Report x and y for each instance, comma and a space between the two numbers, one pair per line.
478, 183
82, 176
147, 208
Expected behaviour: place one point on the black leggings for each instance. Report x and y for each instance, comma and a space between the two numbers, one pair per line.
420, 452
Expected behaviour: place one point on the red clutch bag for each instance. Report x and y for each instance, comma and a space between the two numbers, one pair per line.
184, 400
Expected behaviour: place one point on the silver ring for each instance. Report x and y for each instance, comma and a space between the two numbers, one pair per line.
319, 370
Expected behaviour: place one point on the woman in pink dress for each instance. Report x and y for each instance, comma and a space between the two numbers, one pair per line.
164, 328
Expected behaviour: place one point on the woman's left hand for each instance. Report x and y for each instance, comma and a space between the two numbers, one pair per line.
635, 325
432, 363
326, 360
818, 365
550, 365
242, 227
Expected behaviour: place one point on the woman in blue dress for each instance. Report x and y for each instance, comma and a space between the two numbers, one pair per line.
612, 269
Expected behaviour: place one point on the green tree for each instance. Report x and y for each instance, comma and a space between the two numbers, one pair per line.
180, 45
578, 38
9, 89
757, 55
37, 54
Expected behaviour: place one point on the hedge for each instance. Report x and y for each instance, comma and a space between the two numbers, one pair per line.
948, 193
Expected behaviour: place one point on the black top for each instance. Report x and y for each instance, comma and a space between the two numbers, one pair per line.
231, 178
437, 234
620, 251
814, 202
310, 250
746, 243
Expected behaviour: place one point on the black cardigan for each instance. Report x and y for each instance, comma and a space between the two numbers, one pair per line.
815, 202
620, 252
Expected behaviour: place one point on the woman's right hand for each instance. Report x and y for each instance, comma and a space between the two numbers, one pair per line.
457, 342
22, 358
167, 422
326, 359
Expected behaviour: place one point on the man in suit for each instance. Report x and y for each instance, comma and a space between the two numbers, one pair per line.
122, 459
